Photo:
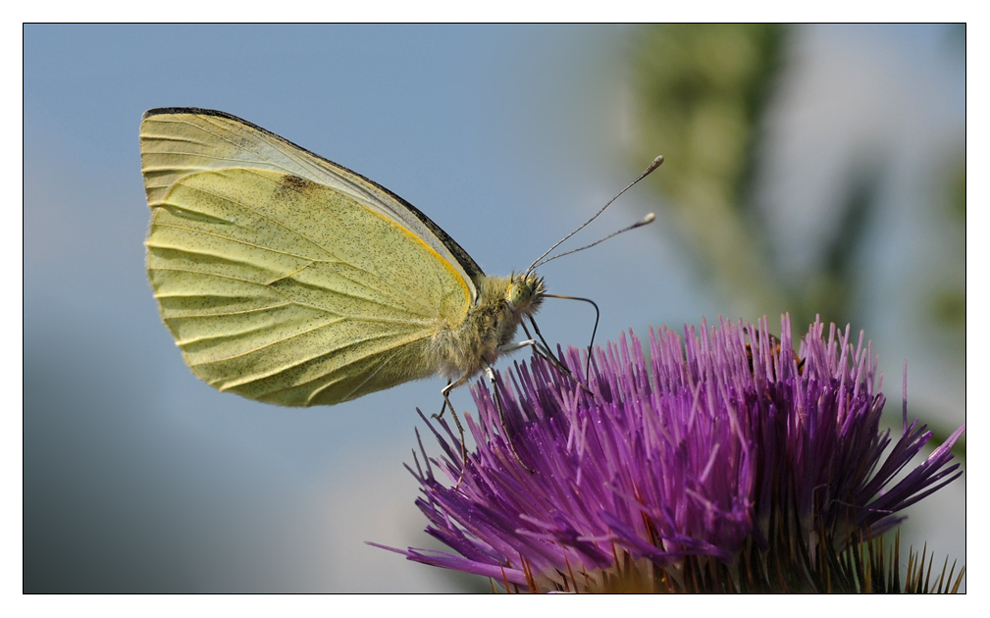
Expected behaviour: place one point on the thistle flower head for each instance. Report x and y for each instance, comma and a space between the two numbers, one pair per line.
724, 462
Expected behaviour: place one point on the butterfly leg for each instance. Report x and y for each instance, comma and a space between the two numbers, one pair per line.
490, 374
543, 352
445, 391
518, 345
538, 349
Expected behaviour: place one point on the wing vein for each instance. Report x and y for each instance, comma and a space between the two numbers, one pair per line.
303, 361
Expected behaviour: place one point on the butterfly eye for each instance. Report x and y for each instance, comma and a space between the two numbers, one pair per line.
519, 292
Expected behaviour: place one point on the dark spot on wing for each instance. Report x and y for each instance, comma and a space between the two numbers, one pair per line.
294, 185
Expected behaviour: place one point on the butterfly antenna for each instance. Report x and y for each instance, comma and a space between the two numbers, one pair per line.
539, 261
649, 218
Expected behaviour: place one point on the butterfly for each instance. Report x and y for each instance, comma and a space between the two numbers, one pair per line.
287, 278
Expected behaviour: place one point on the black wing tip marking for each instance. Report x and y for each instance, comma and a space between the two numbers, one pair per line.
467, 263
196, 111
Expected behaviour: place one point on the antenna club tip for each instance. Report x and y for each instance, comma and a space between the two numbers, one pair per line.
649, 218
656, 163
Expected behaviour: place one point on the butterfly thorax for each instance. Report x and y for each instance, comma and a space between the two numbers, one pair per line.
491, 322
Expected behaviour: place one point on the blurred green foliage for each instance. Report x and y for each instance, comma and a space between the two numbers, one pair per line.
948, 298
701, 93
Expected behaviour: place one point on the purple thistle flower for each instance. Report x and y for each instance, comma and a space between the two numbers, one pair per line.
723, 463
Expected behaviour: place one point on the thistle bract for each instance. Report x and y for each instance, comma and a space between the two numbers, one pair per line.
727, 461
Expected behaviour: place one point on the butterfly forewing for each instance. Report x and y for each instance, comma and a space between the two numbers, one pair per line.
176, 142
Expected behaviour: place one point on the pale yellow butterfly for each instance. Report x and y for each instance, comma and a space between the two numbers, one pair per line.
287, 278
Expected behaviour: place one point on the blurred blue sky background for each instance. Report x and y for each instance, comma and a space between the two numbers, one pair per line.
139, 477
